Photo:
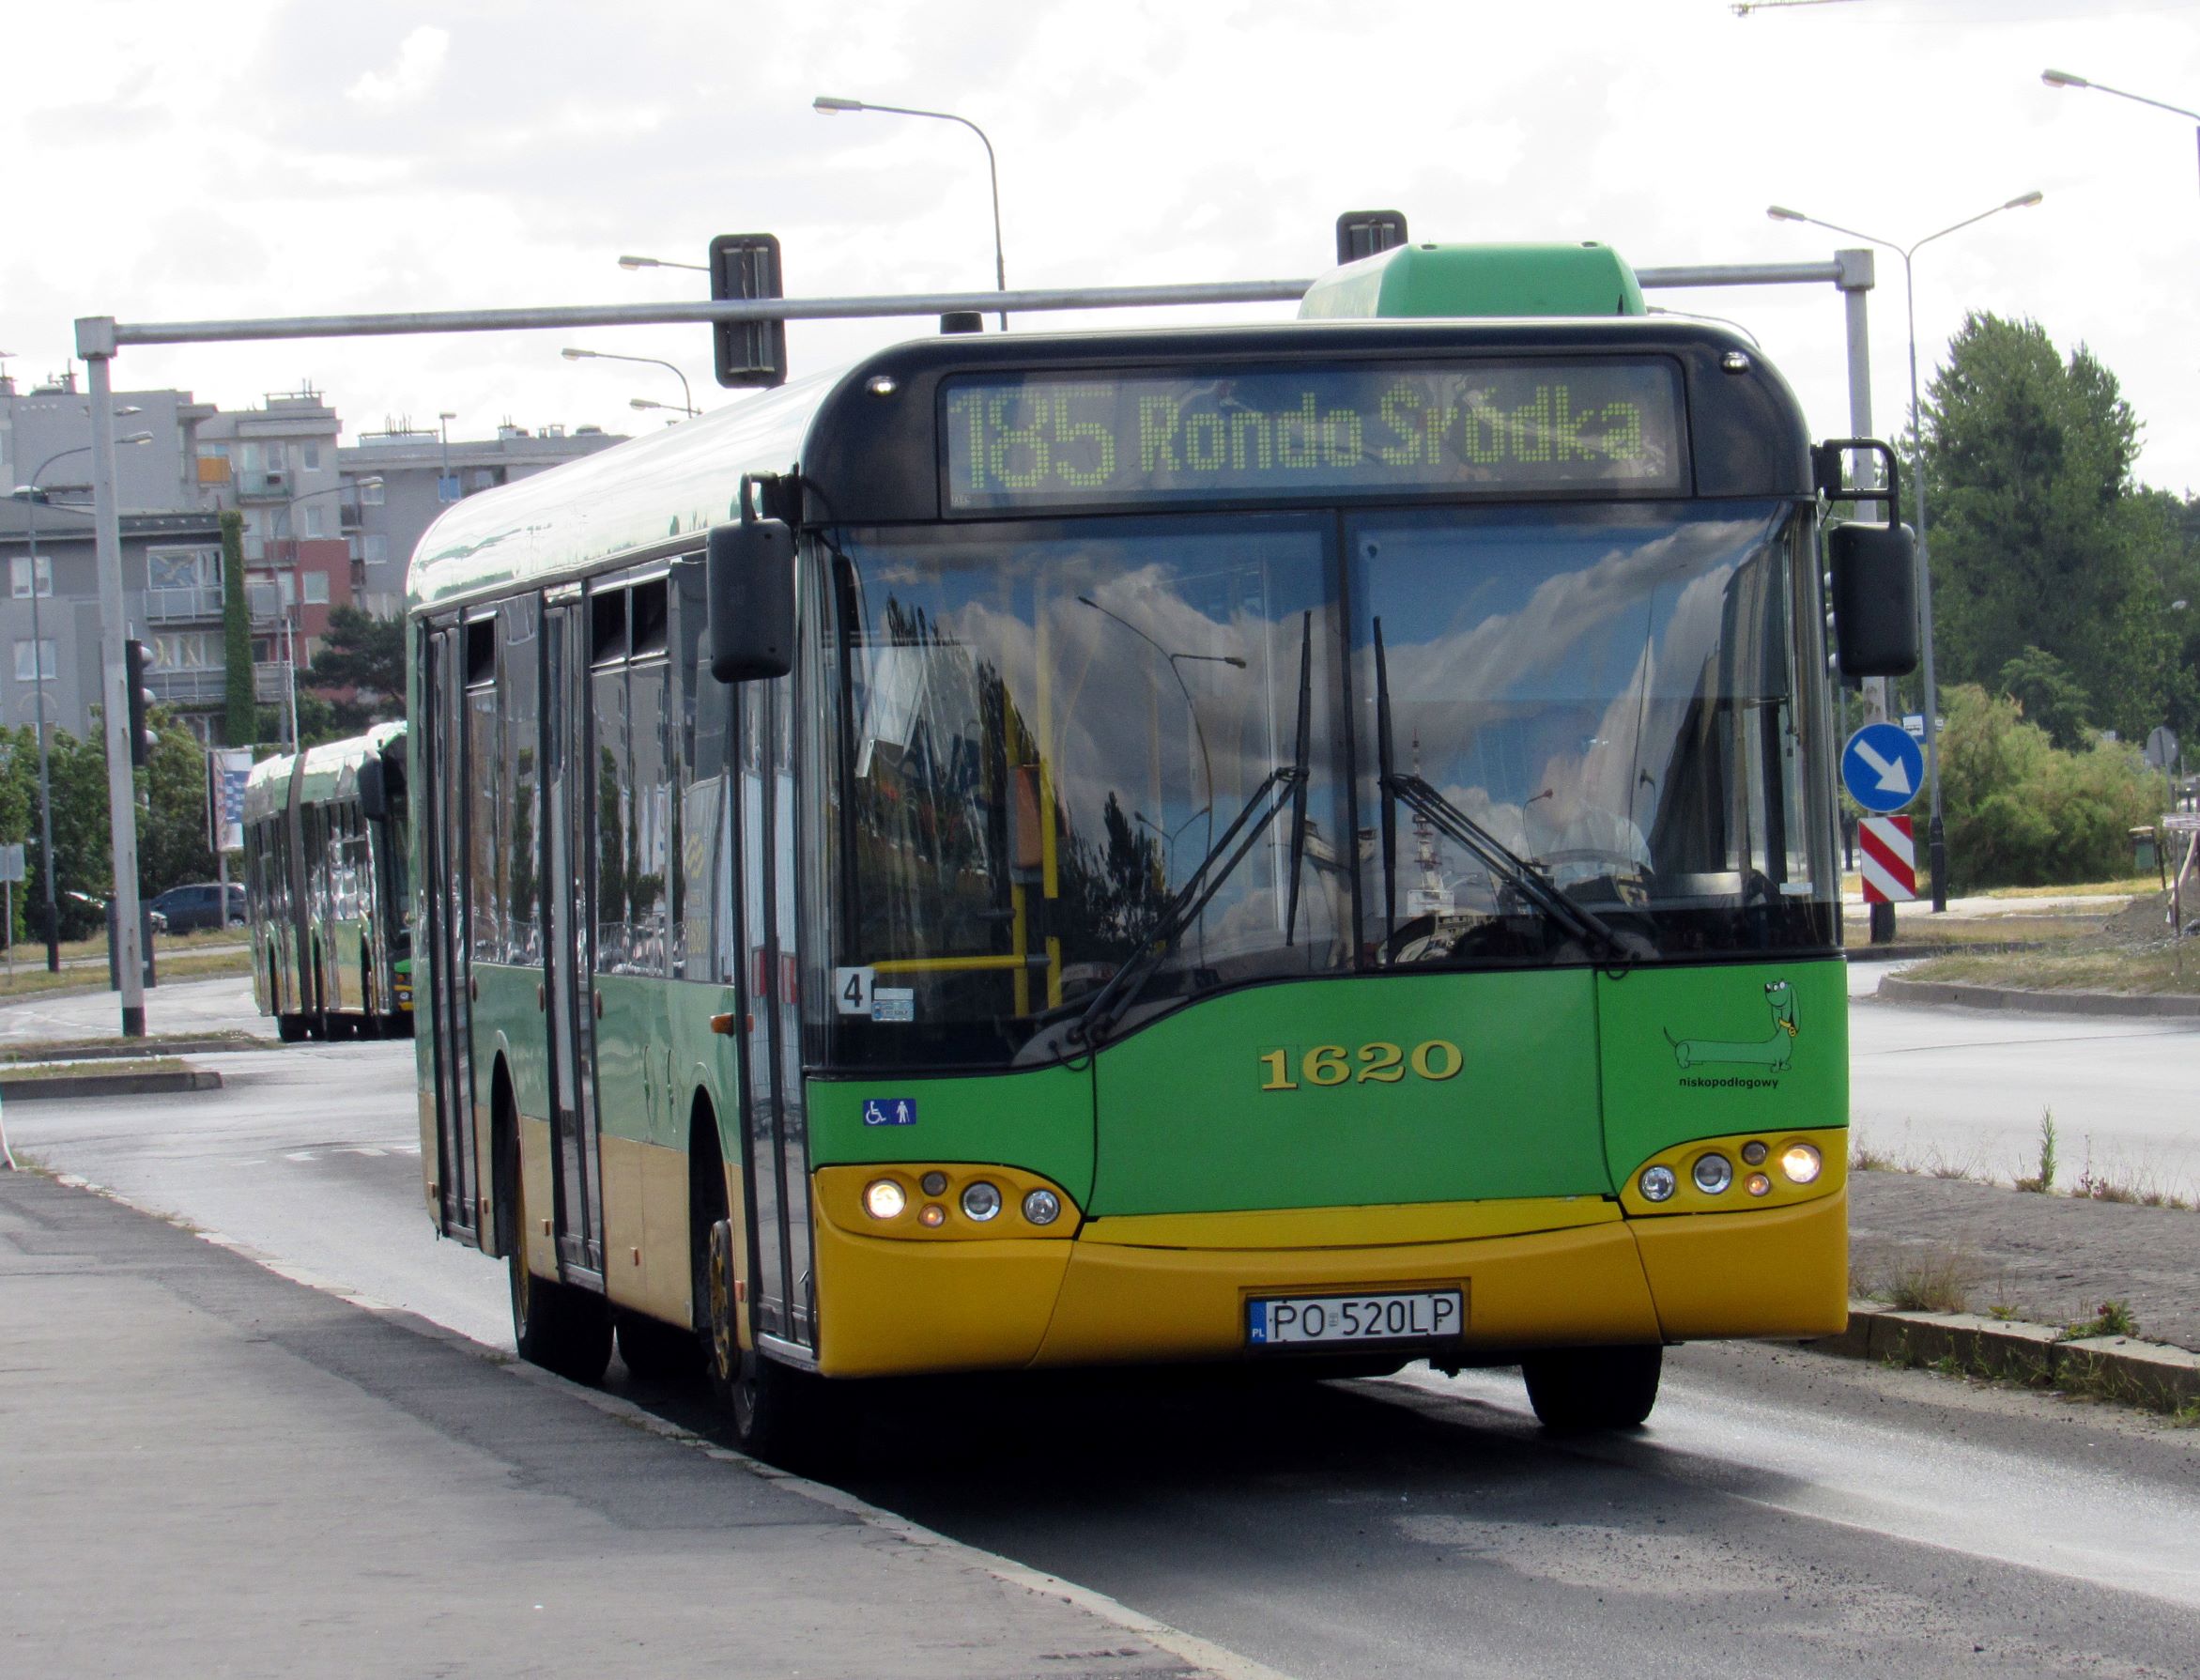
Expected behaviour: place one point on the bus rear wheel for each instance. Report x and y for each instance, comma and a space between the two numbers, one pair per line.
1578, 1390
554, 1325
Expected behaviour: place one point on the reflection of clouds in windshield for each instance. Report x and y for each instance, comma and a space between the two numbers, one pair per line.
1547, 663
1115, 702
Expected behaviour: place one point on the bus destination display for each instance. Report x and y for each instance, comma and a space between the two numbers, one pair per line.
1038, 440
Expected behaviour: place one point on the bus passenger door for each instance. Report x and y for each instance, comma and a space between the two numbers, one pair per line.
569, 899
443, 817
773, 1123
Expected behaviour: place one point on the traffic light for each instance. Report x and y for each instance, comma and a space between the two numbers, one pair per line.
137, 664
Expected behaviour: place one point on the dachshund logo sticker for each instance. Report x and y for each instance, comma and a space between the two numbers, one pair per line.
1773, 1052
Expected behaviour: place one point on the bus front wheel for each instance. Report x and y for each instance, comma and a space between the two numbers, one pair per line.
768, 1403
1578, 1390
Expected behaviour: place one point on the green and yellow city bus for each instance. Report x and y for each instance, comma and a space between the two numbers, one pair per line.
327, 850
1308, 843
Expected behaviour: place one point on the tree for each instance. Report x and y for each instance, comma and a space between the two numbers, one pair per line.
360, 669
2051, 696
172, 833
241, 711
2039, 539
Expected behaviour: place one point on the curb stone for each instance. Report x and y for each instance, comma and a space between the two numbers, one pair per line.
2151, 1373
1894, 989
111, 1085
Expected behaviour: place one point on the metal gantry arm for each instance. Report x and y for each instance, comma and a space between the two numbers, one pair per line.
99, 338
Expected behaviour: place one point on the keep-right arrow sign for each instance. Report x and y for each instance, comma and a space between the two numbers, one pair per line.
1882, 767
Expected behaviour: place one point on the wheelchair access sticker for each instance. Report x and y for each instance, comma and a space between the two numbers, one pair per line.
889, 1111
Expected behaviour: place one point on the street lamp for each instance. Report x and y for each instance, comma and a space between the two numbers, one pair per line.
1936, 833
575, 353
631, 262
443, 484
2064, 79
827, 105
33, 498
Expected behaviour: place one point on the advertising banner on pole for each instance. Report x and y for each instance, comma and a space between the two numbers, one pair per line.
230, 766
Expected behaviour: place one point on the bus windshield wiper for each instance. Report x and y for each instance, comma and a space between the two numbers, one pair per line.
1284, 787
1411, 791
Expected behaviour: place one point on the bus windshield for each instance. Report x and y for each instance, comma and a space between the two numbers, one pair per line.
1093, 768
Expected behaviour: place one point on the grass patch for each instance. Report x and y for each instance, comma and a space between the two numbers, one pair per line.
2131, 885
62, 1050
1862, 1158
2145, 971
1931, 1280
190, 965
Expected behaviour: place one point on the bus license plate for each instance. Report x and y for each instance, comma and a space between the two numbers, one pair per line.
1421, 1316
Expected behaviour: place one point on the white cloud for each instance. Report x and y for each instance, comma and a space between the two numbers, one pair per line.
419, 63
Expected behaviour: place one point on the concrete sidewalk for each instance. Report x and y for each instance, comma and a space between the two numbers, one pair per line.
207, 1469
2047, 1259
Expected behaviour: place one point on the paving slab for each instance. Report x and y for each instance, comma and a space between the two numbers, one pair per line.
207, 1469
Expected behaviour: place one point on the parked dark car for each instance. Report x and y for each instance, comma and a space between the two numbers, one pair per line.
191, 908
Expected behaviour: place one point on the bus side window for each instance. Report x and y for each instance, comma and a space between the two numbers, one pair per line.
517, 797
649, 831
705, 857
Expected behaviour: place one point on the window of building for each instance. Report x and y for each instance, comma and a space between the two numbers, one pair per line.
317, 588
180, 568
27, 663
309, 457
188, 650
287, 588
370, 495
18, 576
376, 548
312, 521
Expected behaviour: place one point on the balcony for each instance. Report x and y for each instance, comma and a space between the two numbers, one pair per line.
264, 602
188, 688
263, 486
271, 681
196, 602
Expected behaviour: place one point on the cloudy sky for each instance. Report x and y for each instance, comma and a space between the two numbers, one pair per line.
277, 157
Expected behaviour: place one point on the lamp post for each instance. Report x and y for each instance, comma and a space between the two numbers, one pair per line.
575, 353
444, 422
644, 402
1936, 831
631, 262
33, 498
827, 105
2064, 79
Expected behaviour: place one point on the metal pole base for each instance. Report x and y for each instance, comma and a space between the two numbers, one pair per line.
1883, 924
1939, 847
133, 1022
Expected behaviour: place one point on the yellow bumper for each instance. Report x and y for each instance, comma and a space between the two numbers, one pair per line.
1541, 1273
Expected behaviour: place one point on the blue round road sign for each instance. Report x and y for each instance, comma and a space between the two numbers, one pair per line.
1882, 767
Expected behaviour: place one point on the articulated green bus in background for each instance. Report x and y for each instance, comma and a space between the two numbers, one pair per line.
326, 849
1309, 844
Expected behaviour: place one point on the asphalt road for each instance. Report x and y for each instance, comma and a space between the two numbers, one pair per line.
1785, 1514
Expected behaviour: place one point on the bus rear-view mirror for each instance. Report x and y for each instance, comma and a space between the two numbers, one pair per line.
374, 798
750, 593
1875, 572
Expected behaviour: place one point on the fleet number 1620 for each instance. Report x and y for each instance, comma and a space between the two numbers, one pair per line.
1380, 1064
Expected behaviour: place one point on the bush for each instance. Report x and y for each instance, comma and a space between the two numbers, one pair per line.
2020, 812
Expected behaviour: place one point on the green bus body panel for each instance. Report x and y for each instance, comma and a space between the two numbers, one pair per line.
504, 1015
1705, 1051
1040, 1122
1493, 280
1186, 1127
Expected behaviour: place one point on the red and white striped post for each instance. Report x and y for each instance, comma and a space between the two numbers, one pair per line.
1888, 850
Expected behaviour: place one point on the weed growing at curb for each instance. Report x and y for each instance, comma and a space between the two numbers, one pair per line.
1862, 1158
2114, 1319
2045, 1181
1936, 1281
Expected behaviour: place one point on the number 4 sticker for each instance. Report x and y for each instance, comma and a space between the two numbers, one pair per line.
851, 989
